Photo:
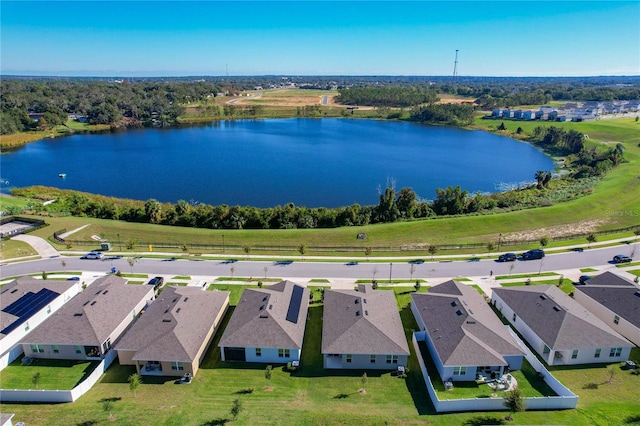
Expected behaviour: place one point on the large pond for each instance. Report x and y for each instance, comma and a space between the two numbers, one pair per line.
264, 163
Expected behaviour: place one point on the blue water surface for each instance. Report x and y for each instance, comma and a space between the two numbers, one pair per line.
313, 162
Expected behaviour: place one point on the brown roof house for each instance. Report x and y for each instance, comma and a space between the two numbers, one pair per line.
267, 325
87, 326
615, 300
24, 304
464, 336
557, 327
362, 330
174, 333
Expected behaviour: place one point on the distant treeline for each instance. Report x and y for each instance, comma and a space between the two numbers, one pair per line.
387, 96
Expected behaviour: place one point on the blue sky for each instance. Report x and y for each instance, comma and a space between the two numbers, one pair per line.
497, 38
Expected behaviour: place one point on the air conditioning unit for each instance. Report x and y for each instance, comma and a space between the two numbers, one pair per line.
557, 355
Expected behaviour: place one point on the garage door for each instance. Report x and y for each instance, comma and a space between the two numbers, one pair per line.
234, 354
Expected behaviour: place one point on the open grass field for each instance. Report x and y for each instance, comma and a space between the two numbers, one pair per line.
313, 396
11, 249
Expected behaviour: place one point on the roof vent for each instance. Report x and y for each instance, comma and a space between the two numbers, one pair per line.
637, 293
357, 301
86, 303
186, 298
98, 292
264, 299
458, 312
264, 316
555, 308
105, 292
166, 320
543, 297
261, 307
175, 300
471, 322
14, 290
93, 303
178, 310
270, 307
454, 304
364, 300
357, 313
77, 315
366, 313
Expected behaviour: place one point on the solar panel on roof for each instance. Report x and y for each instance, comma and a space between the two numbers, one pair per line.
294, 304
27, 305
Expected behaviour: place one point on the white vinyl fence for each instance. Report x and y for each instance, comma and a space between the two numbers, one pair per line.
565, 399
32, 395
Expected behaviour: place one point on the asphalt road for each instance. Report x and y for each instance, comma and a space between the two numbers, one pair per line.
330, 270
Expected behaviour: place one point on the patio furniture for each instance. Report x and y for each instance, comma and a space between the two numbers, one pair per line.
448, 384
480, 379
186, 378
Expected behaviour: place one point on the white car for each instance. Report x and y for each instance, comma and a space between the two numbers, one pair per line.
92, 255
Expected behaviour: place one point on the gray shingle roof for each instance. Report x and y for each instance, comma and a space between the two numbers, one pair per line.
175, 326
260, 318
15, 290
615, 293
463, 328
91, 316
561, 322
362, 322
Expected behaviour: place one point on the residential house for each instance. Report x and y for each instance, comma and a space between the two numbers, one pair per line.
557, 327
267, 325
464, 336
174, 333
615, 300
496, 113
24, 304
362, 330
529, 115
507, 113
518, 114
86, 327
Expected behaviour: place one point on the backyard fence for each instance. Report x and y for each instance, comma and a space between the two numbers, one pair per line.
57, 396
565, 399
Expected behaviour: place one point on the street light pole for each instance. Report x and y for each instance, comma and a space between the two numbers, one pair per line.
499, 241
390, 269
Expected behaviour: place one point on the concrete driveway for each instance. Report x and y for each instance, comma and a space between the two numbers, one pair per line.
40, 245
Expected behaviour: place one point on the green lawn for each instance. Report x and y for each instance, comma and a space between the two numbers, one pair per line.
54, 374
10, 249
513, 277
567, 284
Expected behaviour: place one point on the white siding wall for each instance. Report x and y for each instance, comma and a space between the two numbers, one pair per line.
607, 316
270, 355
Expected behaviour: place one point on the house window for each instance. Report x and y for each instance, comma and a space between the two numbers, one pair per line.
372, 359
615, 352
597, 354
37, 349
616, 320
284, 353
56, 349
78, 349
26, 326
459, 371
258, 351
514, 317
392, 359
349, 357
546, 350
177, 366
574, 354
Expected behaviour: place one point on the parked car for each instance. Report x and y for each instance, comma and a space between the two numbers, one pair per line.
92, 255
583, 279
156, 282
507, 257
621, 258
533, 254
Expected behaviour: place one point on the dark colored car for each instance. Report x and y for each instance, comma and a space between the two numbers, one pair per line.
621, 258
583, 279
507, 257
156, 282
533, 254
